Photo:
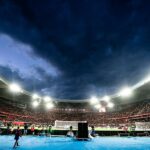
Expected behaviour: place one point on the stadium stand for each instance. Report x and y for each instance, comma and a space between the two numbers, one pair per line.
136, 112
17, 109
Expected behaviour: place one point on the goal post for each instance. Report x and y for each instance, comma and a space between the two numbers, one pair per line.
66, 124
142, 126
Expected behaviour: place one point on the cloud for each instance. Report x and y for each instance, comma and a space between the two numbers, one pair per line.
20, 57
77, 48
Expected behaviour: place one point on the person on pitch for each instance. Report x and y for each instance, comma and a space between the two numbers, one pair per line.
17, 135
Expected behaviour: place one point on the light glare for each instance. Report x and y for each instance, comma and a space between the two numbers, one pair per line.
102, 109
15, 88
47, 99
93, 100
98, 106
126, 92
106, 98
35, 96
141, 83
35, 103
110, 105
49, 105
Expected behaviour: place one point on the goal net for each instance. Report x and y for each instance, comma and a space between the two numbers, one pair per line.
66, 124
143, 126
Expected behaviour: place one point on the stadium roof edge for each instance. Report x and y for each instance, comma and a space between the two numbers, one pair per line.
113, 97
73, 100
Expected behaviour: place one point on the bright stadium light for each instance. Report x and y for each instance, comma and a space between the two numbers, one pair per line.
15, 88
106, 98
35, 96
35, 103
141, 83
126, 92
146, 80
93, 100
47, 99
103, 109
49, 105
110, 105
98, 106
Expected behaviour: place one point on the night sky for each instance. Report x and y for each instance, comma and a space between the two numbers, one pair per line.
72, 49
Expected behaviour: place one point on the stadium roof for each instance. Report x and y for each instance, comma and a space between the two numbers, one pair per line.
140, 93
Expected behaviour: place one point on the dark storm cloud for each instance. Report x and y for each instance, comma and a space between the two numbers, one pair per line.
98, 46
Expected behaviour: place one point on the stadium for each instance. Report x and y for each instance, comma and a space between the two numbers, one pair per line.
75, 74
124, 114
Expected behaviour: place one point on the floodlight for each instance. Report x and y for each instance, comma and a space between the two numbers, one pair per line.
93, 100
35, 96
47, 99
15, 88
106, 98
110, 105
146, 80
35, 103
103, 109
126, 92
97, 106
49, 105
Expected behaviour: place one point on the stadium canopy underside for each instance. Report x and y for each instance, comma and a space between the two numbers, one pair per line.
25, 97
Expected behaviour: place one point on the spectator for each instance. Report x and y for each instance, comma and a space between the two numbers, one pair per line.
25, 129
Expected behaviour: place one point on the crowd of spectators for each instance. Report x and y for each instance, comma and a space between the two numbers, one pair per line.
136, 112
